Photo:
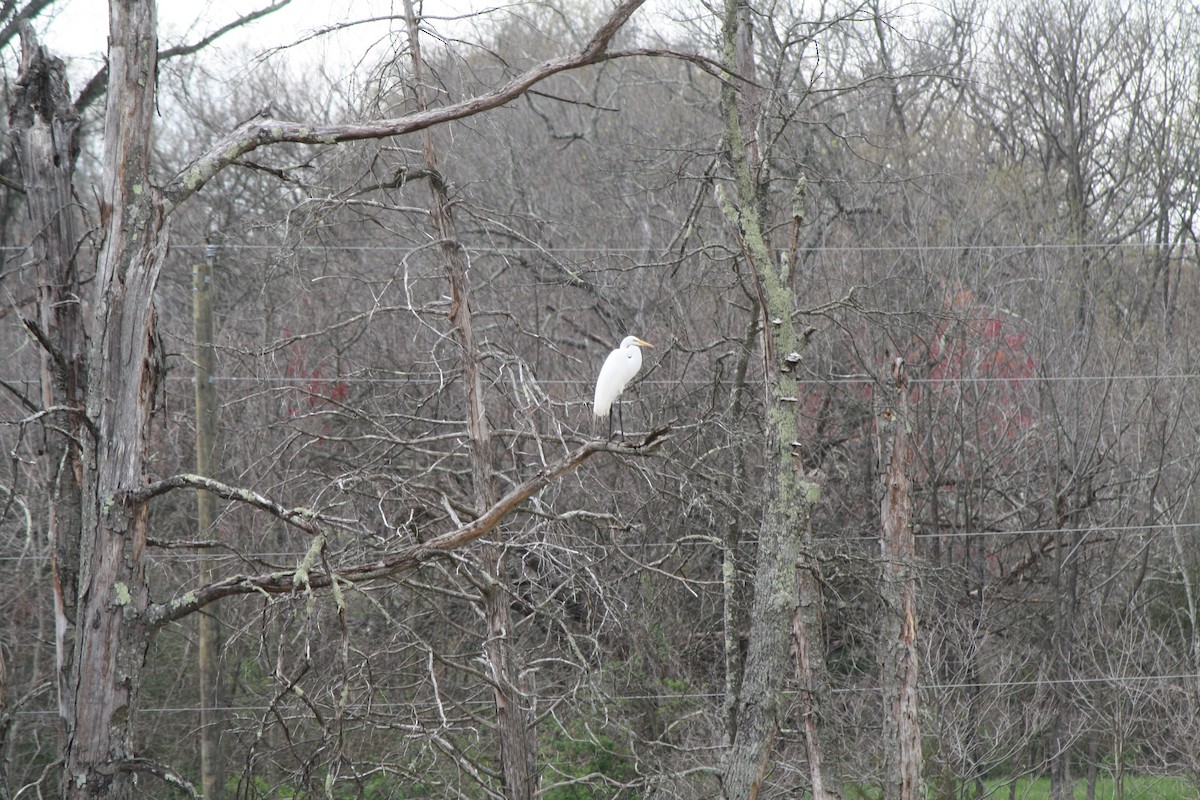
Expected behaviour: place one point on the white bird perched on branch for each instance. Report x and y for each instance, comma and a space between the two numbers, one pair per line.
618, 370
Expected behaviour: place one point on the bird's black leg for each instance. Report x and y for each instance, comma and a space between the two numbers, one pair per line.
621, 414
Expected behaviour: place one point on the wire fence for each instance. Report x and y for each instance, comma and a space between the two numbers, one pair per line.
584, 386
215, 554
708, 696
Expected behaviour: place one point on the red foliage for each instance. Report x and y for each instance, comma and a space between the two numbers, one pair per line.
313, 390
981, 355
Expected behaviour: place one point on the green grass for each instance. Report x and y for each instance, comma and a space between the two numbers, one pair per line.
1137, 787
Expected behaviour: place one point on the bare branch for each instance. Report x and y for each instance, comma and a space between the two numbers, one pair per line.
21, 397
403, 560
29, 11
260, 132
96, 87
162, 771
302, 518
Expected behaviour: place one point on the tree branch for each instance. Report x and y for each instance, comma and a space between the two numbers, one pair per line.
302, 518
27, 12
261, 132
98, 84
162, 771
404, 560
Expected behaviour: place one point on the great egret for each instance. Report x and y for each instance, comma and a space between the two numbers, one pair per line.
618, 370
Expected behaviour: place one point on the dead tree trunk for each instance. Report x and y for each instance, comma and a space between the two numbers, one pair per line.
513, 714
45, 128
897, 588
824, 781
100, 391
104, 677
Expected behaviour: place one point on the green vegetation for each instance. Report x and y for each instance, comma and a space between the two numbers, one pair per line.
1136, 787
574, 757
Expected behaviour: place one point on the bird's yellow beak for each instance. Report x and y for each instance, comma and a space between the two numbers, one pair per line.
643, 343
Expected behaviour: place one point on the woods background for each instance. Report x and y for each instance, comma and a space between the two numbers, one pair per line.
418, 573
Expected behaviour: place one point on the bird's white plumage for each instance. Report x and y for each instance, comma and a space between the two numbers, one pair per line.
618, 370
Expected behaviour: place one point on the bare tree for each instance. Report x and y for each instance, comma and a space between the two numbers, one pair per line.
103, 670
513, 714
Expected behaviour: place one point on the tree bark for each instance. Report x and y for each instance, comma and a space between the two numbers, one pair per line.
897, 588
734, 614
98, 577
123, 370
45, 132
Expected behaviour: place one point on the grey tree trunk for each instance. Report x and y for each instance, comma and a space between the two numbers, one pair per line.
105, 676
45, 129
734, 612
103, 388
97, 539
789, 497
1062, 645
897, 589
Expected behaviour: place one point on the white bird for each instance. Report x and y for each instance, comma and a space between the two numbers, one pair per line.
618, 370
